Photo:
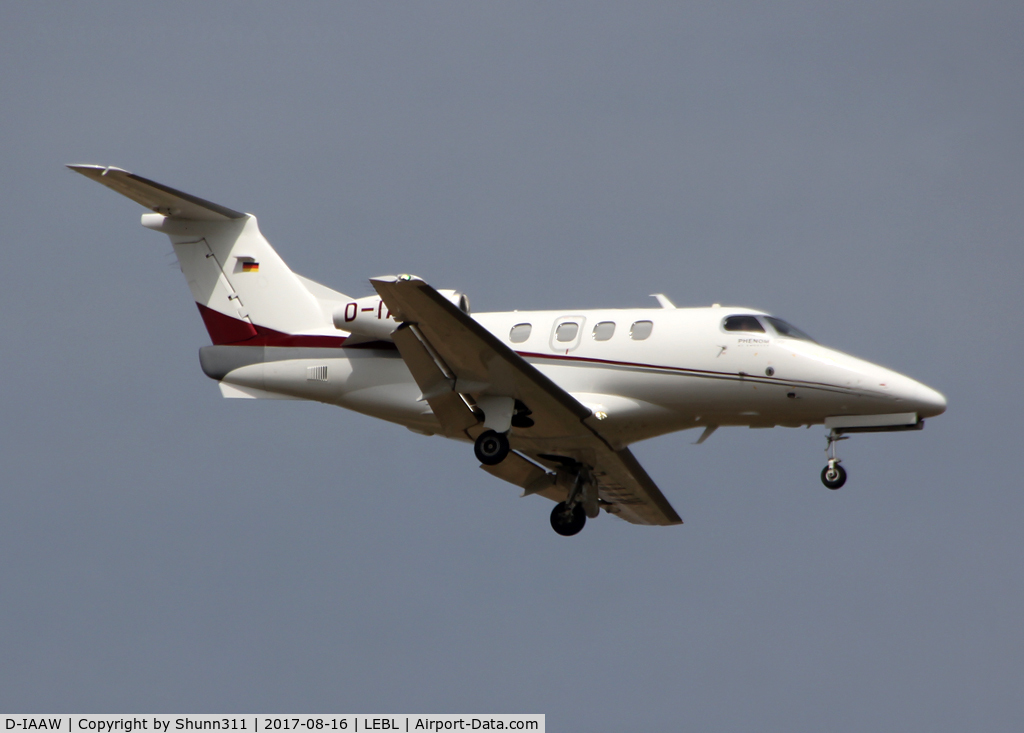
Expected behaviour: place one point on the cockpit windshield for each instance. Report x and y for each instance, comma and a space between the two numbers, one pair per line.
788, 331
749, 324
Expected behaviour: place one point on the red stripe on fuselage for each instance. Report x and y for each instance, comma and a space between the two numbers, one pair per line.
224, 330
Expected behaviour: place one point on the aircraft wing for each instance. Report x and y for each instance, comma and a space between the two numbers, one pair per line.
455, 361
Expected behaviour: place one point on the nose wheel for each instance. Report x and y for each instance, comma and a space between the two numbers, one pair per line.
833, 475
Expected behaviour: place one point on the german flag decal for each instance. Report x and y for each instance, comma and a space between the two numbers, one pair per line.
250, 267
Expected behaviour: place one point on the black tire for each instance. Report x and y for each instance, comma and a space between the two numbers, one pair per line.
491, 448
835, 478
568, 522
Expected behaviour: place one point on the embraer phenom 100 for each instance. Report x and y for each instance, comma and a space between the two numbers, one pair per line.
549, 399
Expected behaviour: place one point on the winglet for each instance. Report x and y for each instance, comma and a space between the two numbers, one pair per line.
156, 196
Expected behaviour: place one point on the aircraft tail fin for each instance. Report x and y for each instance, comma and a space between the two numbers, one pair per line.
245, 292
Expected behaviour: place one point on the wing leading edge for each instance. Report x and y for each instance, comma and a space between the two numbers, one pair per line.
456, 362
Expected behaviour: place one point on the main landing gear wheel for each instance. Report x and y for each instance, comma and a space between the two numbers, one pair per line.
567, 520
491, 448
833, 476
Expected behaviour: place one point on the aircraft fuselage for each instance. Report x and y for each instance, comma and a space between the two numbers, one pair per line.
686, 372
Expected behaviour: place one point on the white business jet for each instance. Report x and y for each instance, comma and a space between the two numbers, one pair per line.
549, 399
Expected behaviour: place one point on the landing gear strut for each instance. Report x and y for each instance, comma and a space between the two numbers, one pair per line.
833, 475
569, 516
491, 448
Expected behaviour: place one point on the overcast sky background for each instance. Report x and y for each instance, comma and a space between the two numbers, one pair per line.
855, 168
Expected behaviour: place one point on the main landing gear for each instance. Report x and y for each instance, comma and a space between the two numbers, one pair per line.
491, 448
568, 519
833, 475
570, 516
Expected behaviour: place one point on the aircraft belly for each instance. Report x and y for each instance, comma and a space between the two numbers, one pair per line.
395, 402
681, 398
380, 386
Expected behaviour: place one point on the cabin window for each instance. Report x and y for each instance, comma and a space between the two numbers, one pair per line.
520, 332
748, 324
787, 330
604, 330
641, 330
566, 331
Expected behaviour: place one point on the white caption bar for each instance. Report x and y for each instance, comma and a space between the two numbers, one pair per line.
260, 723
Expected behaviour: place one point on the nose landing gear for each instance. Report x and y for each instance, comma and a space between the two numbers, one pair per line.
833, 475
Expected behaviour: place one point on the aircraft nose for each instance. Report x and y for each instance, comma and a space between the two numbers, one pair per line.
927, 402
935, 403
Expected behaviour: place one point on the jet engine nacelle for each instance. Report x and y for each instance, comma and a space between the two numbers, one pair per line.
367, 317
459, 300
370, 319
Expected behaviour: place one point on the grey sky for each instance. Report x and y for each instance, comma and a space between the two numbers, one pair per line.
853, 167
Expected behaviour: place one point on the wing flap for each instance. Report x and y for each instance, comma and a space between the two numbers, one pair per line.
532, 478
447, 405
625, 484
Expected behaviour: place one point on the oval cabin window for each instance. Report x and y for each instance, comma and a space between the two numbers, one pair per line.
566, 331
641, 330
520, 332
604, 331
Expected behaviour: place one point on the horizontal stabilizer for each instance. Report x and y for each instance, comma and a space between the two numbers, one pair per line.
156, 196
